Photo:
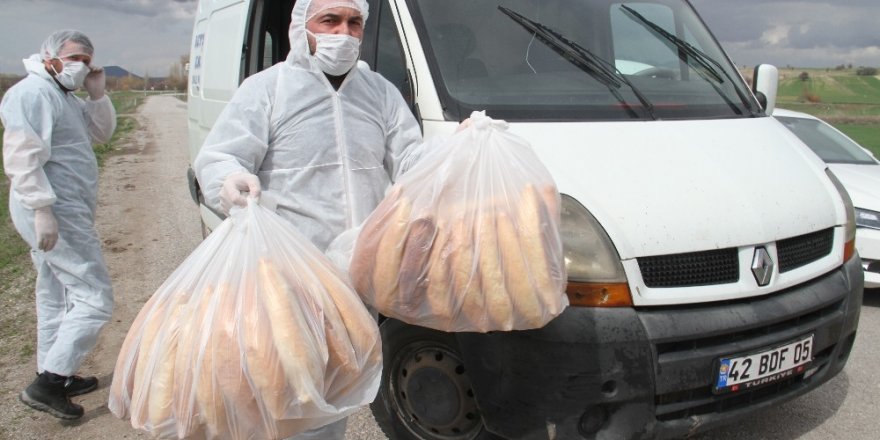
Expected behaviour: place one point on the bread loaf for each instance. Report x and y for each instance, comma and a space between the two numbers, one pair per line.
124, 373
292, 333
242, 410
499, 311
366, 251
209, 367
352, 336
551, 199
468, 304
389, 254
161, 382
262, 359
148, 355
532, 219
413, 271
188, 365
517, 278
439, 295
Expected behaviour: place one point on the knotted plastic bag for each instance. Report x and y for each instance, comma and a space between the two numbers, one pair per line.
255, 335
467, 239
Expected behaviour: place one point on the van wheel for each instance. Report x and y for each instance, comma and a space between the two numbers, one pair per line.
425, 392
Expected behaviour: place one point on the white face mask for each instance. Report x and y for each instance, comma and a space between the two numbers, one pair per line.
336, 54
73, 75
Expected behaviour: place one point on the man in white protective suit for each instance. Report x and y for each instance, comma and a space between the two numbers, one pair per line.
324, 134
48, 157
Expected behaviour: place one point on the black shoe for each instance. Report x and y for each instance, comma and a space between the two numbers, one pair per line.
48, 393
81, 385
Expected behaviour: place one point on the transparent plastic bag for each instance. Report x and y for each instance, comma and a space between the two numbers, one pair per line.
255, 335
467, 239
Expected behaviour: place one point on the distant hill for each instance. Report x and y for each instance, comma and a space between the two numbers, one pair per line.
118, 72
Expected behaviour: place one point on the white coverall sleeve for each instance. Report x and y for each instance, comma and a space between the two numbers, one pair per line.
403, 139
238, 141
100, 117
28, 119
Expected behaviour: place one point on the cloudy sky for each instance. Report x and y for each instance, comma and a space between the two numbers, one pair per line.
799, 33
143, 36
149, 36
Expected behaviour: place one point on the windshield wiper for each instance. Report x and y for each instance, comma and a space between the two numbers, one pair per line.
701, 62
601, 70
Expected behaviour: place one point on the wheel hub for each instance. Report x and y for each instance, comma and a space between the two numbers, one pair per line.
432, 394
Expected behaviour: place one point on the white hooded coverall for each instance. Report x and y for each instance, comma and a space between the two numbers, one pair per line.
48, 157
327, 156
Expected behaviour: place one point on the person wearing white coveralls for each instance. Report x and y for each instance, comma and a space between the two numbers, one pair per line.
48, 157
323, 133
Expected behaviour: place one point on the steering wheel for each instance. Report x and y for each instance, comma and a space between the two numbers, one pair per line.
657, 72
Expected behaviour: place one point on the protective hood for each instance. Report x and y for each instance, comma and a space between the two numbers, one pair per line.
299, 55
34, 64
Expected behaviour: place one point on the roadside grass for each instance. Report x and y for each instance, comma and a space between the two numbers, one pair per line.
126, 104
832, 89
17, 326
849, 102
867, 136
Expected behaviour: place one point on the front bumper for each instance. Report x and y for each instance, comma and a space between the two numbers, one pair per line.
648, 373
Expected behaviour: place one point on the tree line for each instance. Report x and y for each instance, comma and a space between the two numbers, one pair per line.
175, 80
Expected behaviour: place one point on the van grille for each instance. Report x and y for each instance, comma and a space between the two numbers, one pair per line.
690, 269
722, 266
802, 250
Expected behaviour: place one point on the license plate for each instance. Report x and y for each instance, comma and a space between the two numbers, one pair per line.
743, 372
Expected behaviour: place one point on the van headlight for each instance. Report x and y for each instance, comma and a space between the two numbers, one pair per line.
867, 219
849, 245
595, 274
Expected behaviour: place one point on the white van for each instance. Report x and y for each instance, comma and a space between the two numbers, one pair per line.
711, 262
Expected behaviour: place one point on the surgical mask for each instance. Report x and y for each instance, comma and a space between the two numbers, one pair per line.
73, 75
336, 54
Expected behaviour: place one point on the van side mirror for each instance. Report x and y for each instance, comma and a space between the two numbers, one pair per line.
762, 99
765, 85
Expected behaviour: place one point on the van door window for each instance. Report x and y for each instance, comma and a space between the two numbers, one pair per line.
267, 43
390, 60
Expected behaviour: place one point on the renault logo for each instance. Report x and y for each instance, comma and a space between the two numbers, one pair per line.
762, 266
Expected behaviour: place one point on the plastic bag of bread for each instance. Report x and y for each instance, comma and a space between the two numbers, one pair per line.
467, 239
255, 335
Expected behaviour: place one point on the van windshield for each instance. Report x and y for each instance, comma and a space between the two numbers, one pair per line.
578, 60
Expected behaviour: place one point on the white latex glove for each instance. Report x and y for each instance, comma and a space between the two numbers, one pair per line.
95, 83
236, 183
46, 228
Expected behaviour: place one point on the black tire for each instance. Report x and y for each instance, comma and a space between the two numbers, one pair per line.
425, 392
